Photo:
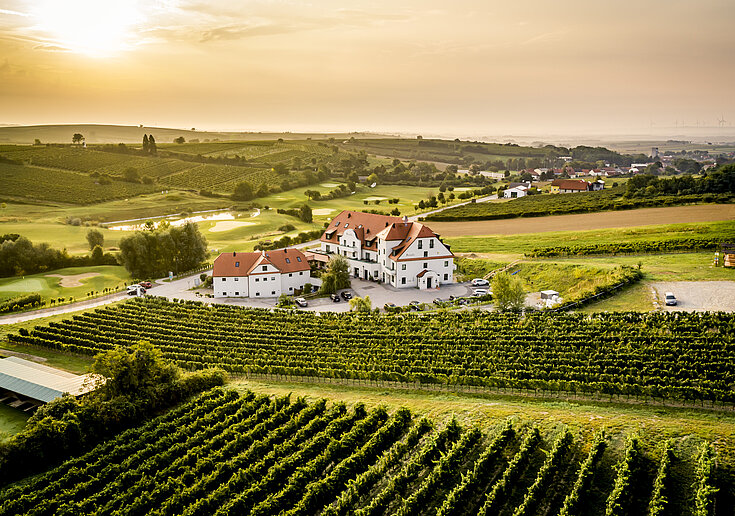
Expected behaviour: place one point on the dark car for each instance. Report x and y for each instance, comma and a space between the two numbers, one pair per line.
438, 301
346, 295
389, 307
146, 284
334, 297
452, 298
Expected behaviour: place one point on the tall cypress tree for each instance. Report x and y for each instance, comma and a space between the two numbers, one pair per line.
146, 144
152, 144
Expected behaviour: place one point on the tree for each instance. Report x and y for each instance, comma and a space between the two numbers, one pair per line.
36, 142
146, 144
508, 292
305, 213
152, 145
372, 179
95, 238
180, 140
243, 192
361, 304
77, 138
98, 255
313, 194
131, 175
281, 169
139, 372
337, 275
152, 253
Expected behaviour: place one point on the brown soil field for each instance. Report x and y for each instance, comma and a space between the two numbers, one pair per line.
583, 221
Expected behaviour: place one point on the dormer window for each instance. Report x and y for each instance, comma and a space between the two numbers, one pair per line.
298, 258
336, 224
265, 267
288, 260
237, 264
347, 225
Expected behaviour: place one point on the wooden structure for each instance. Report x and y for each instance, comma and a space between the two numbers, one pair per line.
728, 255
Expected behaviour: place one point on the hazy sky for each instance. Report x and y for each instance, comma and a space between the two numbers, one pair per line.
450, 67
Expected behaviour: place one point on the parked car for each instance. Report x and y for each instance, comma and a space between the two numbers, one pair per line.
136, 290
414, 305
334, 297
388, 307
452, 298
438, 301
479, 282
146, 284
479, 292
346, 295
670, 299
300, 301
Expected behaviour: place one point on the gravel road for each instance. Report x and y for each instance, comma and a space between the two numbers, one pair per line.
698, 296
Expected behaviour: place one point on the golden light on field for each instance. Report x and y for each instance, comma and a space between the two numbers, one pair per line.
91, 27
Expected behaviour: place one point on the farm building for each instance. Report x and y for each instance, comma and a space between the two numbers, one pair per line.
261, 274
575, 185
516, 190
27, 385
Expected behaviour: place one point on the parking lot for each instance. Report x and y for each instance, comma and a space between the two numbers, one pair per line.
697, 296
380, 294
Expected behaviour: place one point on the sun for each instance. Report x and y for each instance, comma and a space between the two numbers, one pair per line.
95, 28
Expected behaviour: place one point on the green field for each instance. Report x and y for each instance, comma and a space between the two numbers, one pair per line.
12, 421
105, 276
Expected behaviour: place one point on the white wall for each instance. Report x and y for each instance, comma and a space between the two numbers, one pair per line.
230, 286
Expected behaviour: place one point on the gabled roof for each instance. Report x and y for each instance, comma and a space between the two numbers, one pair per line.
244, 264
366, 225
41, 382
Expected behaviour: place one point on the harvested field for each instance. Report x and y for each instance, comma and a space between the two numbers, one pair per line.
582, 221
74, 280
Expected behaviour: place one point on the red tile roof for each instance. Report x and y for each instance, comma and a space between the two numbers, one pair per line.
243, 264
366, 226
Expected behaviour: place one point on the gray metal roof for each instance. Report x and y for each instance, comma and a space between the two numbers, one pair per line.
41, 382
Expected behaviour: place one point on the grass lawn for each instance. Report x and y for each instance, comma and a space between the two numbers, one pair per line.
654, 424
105, 276
12, 421
635, 298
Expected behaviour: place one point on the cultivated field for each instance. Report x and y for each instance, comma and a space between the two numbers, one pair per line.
587, 221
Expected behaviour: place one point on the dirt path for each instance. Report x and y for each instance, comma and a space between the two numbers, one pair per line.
582, 221
697, 296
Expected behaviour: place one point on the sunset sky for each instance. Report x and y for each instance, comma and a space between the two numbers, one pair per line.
459, 67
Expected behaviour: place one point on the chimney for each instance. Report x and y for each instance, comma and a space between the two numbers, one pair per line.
285, 251
234, 253
349, 215
386, 224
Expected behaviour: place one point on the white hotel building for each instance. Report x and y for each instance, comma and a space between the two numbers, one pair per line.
390, 249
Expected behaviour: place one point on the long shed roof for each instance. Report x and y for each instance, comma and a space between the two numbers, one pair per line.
41, 382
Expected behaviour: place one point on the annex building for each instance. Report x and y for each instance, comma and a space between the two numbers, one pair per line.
26, 385
389, 249
260, 274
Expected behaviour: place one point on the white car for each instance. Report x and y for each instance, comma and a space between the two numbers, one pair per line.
479, 282
479, 292
136, 290
301, 302
670, 299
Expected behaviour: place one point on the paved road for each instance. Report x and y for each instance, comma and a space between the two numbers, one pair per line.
698, 296
481, 199
64, 309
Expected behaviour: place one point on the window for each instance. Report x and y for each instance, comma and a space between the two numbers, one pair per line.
273, 292
236, 279
431, 244
347, 225
298, 258
224, 293
237, 293
403, 266
257, 280
426, 253
265, 267
288, 260
403, 281
257, 293
237, 264
446, 263
273, 278
421, 244
290, 274
301, 273
446, 277
426, 265
328, 250
336, 224
224, 279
